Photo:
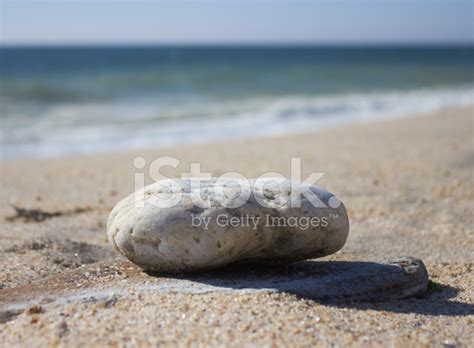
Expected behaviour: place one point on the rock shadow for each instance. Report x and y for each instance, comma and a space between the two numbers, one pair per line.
345, 284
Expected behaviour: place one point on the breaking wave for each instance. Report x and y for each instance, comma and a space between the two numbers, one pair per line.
86, 127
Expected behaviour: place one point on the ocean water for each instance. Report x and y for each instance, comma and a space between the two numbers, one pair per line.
56, 101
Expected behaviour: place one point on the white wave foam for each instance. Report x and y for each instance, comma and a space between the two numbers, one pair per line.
86, 128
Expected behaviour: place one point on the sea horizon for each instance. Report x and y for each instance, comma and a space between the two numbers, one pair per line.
60, 100
240, 44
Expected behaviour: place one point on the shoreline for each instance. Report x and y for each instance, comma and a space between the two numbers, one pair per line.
237, 120
241, 139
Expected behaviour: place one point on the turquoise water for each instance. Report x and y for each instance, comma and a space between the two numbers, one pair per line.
56, 101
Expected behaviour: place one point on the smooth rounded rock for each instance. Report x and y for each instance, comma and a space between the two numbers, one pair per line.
184, 225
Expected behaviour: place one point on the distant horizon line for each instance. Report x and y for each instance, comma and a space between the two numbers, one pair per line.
425, 44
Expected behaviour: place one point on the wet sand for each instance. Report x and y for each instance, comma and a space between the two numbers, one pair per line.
408, 185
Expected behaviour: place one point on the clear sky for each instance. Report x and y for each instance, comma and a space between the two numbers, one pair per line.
234, 21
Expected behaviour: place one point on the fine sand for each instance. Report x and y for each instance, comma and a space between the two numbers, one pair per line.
408, 185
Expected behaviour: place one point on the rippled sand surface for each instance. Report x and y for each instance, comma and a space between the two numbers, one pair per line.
408, 185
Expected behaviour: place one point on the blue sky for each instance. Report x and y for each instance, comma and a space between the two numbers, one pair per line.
233, 22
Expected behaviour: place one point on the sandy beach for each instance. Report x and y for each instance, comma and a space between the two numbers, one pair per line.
408, 184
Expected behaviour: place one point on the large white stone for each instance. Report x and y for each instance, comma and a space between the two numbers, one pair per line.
165, 227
